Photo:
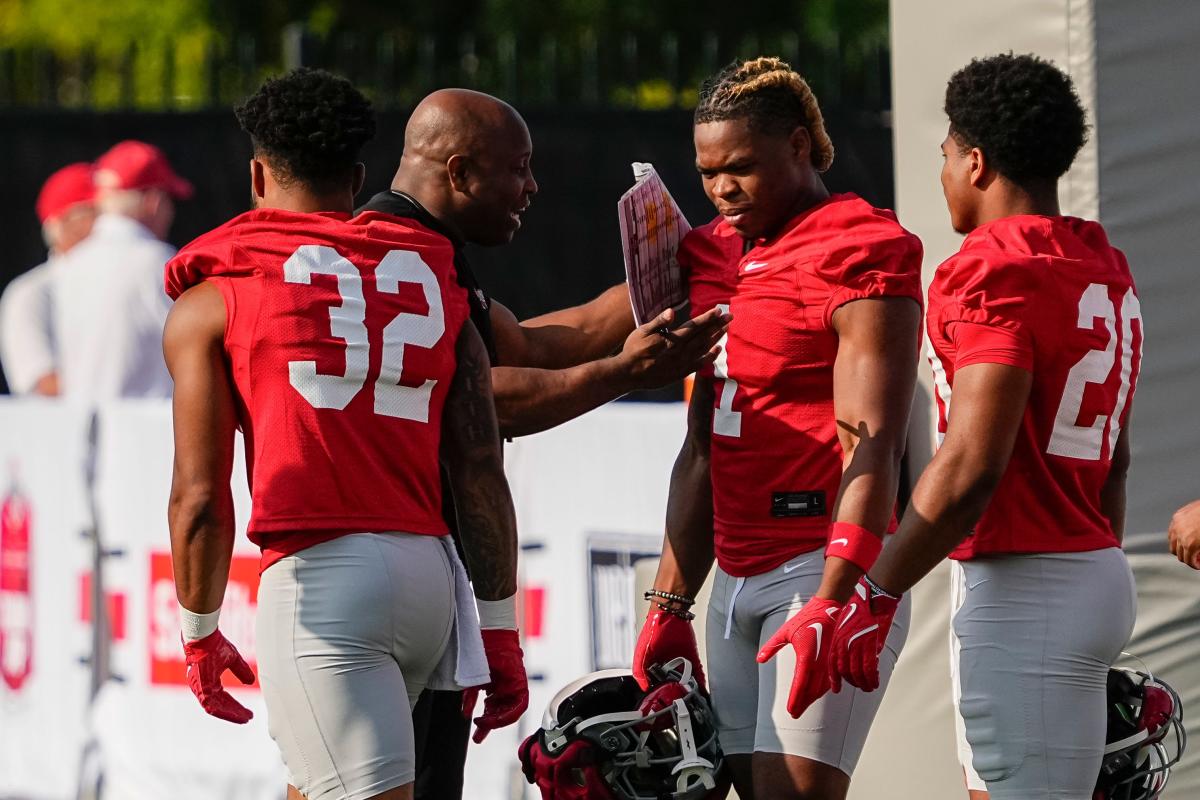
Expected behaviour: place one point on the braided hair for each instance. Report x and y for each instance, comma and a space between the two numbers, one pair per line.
309, 125
771, 97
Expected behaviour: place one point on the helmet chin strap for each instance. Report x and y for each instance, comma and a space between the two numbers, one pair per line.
692, 771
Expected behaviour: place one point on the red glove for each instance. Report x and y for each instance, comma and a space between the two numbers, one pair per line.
570, 775
862, 629
207, 659
808, 632
507, 691
665, 636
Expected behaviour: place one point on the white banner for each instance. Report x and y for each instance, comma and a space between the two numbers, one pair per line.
154, 739
45, 598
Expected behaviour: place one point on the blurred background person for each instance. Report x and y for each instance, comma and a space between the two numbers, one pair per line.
27, 351
109, 302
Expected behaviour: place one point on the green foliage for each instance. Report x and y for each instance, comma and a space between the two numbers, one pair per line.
639, 53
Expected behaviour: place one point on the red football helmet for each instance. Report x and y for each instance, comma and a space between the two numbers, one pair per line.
1145, 738
603, 738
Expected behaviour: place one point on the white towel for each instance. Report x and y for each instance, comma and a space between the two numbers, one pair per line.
464, 662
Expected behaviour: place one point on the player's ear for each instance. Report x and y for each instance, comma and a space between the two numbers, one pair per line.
458, 170
801, 144
360, 177
978, 168
258, 178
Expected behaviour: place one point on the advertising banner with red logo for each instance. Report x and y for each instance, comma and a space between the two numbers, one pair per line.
154, 739
44, 678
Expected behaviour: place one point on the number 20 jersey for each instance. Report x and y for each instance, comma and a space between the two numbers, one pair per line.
341, 341
1052, 296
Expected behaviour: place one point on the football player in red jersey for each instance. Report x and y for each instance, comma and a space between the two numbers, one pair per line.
790, 468
1035, 339
338, 346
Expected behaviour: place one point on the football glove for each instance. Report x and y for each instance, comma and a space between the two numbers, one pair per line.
809, 633
507, 691
206, 660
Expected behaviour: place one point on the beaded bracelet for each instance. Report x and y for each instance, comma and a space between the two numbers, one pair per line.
676, 598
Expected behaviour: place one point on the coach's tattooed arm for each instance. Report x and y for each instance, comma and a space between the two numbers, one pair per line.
472, 459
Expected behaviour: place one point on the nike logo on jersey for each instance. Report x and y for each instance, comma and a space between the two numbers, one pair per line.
790, 567
840, 541
816, 626
751, 266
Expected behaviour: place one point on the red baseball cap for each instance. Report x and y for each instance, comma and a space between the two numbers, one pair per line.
137, 165
70, 185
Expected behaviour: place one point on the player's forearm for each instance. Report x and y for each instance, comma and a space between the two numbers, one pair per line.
583, 333
1112, 494
202, 532
532, 400
866, 498
948, 500
487, 526
1112, 504
688, 545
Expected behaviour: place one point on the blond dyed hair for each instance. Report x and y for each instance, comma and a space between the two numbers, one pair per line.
772, 96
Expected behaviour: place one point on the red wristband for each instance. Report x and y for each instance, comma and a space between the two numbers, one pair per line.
854, 543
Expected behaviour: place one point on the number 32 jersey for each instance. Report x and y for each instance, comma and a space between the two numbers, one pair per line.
341, 338
1052, 296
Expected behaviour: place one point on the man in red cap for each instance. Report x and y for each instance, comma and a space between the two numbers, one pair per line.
109, 303
27, 349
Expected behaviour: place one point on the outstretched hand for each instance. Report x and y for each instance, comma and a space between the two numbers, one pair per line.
660, 352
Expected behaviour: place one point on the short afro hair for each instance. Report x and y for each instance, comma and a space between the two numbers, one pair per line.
771, 97
309, 125
1022, 112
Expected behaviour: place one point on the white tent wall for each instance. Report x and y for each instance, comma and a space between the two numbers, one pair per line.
1134, 66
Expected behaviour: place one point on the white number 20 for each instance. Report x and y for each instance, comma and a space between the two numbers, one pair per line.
347, 322
1068, 438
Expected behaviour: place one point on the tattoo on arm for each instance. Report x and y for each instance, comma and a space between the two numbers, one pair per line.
473, 462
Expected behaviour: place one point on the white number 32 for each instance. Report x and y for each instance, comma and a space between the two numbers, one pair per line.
347, 322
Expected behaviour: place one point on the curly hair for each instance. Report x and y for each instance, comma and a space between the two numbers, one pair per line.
309, 125
771, 97
1021, 111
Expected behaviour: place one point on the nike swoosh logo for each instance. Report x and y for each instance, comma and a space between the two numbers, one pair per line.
816, 626
849, 614
863, 632
790, 567
840, 541
753, 265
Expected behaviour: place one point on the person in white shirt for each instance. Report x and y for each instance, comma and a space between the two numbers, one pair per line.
27, 350
109, 301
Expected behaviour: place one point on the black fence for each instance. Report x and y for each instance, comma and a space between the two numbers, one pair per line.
626, 70
568, 250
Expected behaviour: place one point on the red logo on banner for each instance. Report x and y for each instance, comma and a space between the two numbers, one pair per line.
237, 618
16, 595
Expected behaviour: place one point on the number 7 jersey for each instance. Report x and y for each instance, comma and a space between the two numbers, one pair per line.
340, 338
1052, 296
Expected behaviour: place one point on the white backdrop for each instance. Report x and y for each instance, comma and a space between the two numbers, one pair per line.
42, 720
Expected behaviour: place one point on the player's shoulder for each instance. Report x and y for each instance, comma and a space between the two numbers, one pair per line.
409, 231
859, 224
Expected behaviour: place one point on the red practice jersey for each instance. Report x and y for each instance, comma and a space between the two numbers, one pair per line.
776, 460
1050, 295
341, 338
